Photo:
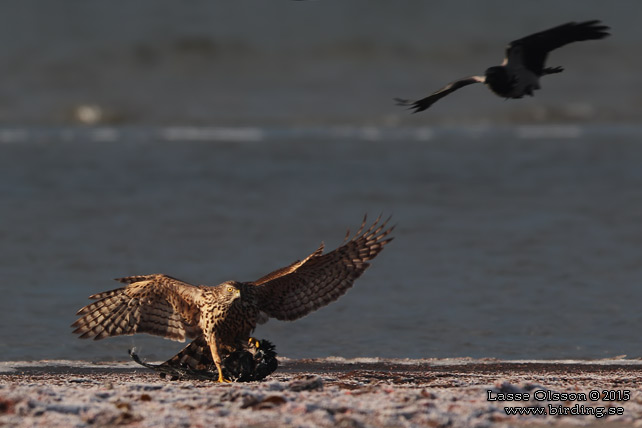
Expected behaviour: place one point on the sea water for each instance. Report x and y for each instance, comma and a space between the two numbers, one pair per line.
521, 242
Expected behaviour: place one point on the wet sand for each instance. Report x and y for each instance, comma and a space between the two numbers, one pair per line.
329, 392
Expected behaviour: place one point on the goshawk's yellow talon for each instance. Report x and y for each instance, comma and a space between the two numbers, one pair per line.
221, 379
253, 342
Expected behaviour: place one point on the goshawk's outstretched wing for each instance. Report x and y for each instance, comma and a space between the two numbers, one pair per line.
304, 286
424, 103
532, 50
154, 304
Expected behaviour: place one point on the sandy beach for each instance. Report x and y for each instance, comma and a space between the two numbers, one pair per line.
331, 392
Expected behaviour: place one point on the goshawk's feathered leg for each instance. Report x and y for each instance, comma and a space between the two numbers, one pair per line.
216, 357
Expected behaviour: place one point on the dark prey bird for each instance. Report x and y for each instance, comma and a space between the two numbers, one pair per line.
524, 64
254, 361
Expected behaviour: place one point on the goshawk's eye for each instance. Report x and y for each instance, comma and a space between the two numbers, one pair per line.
230, 289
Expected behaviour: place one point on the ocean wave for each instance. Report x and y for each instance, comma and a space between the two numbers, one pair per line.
252, 134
